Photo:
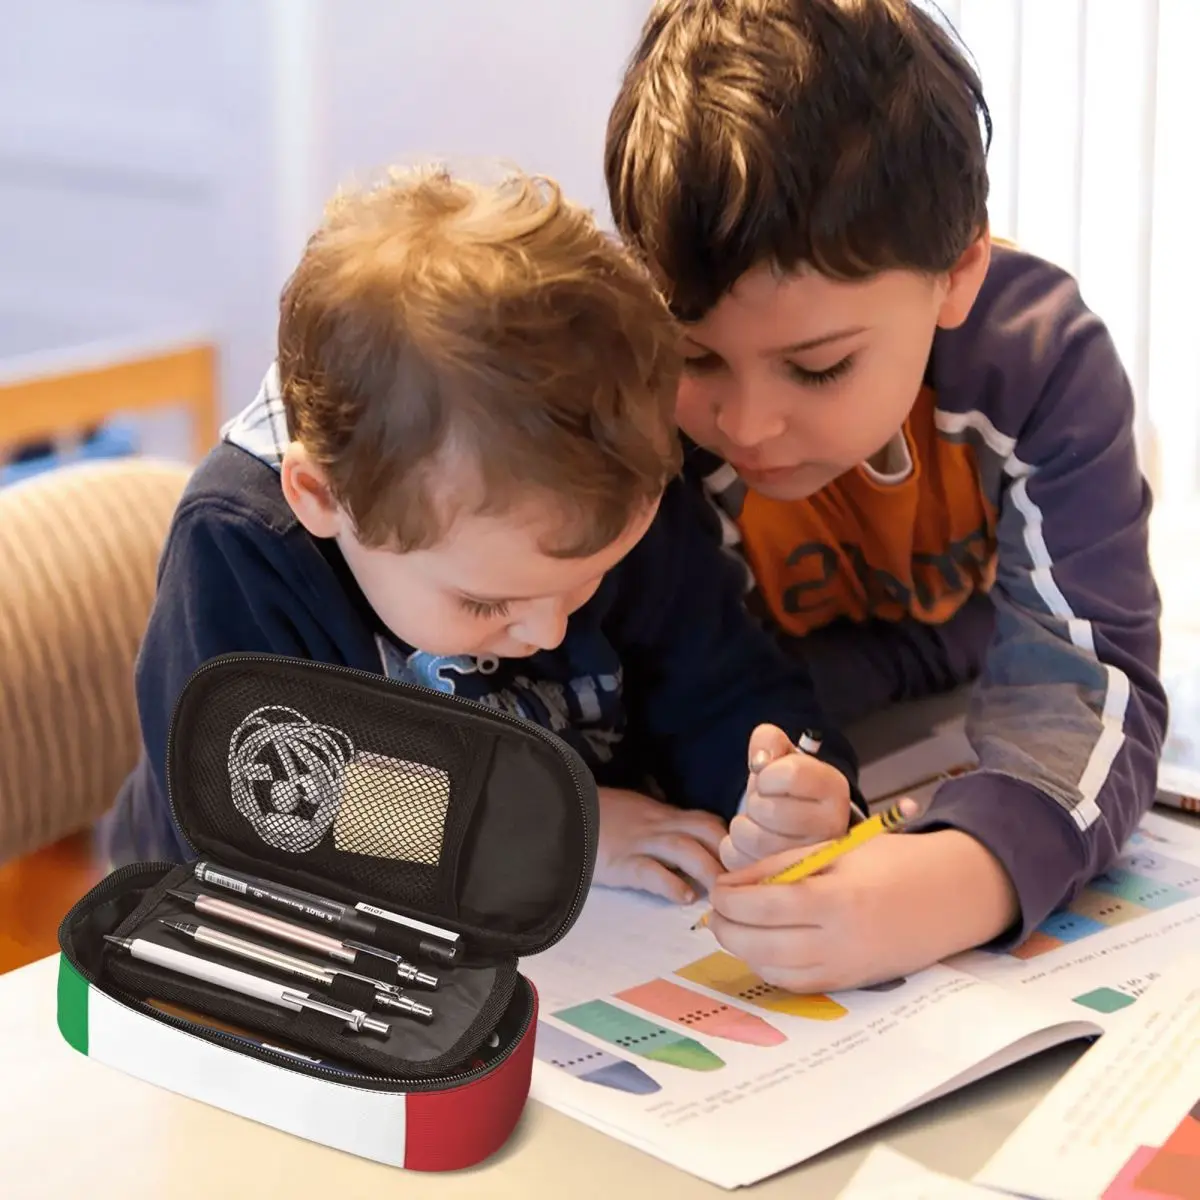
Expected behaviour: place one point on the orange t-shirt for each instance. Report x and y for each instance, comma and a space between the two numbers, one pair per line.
862, 547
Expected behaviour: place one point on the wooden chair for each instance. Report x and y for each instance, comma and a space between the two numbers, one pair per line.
74, 389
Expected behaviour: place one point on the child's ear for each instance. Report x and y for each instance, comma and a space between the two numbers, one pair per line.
307, 491
965, 279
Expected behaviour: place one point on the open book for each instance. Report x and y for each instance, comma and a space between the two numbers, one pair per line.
651, 1033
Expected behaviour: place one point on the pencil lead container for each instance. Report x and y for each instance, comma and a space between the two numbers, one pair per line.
447, 835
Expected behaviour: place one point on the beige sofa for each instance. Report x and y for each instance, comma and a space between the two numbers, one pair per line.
79, 549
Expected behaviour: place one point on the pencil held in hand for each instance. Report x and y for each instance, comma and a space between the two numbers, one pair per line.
809, 742
894, 819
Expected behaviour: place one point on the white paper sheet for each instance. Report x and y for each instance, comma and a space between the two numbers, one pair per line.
1124, 1122
889, 1175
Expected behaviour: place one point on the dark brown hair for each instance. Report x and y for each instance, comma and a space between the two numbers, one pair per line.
437, 329
843, 134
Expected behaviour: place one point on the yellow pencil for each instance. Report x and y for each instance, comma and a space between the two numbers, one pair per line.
885, 822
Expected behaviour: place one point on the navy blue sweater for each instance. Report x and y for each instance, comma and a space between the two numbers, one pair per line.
662, 675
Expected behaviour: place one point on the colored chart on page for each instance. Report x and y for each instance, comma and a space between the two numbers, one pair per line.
1144, 881
589, 1063
1119, 933
702, 1013
724, 973
639, 1036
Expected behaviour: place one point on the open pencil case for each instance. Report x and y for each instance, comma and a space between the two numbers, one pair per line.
391, 799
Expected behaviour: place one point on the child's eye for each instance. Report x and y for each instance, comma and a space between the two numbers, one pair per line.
817, 378
484, 608
702, 364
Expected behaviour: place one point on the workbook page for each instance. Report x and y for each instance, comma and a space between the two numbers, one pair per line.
653, 1034
1114, 939
1124, 1122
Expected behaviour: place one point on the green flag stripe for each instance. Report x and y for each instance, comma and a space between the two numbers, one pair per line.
72, 1006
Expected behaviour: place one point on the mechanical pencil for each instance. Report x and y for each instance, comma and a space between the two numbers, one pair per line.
244, 983
386, 995
300, 935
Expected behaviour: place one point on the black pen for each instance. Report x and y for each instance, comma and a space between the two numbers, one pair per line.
278, 895
431, 941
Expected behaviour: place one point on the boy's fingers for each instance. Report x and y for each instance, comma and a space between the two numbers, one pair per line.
706, 828
649, 875
732, 859
685, 854
764, 867
767, 743
798, 819
816, 977
772, 905
801, 775
753, 842
770, 950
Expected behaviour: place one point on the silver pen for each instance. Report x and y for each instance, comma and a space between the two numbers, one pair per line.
245, 984
386, 995
300, 935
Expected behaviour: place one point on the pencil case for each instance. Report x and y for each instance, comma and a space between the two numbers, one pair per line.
414, 810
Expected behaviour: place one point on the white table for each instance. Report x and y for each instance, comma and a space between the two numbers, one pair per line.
73, 1127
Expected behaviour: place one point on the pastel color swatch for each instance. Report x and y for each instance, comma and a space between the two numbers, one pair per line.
639, 1036
731, 977
589, 1063
671, 1001
1105, 1000
1105, 909
1143, 880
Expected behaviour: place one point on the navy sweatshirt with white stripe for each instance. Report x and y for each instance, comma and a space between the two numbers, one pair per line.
1017, 478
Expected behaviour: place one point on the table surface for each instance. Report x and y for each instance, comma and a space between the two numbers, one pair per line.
73, 1127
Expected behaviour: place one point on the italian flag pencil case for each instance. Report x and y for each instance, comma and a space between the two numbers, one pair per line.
439, 840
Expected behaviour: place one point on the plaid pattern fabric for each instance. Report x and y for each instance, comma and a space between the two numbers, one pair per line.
261, 428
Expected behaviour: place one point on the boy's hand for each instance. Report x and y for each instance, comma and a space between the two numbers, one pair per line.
792, 799
656, 847
897, 904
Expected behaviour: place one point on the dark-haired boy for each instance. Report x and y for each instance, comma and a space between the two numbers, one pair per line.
923, 442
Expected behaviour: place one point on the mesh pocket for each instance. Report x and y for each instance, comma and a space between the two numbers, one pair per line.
341, 781
410, 822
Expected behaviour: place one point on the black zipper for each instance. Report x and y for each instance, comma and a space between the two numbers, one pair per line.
113, 884
426, 695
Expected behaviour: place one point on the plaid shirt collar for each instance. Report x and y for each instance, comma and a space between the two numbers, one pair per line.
261, 428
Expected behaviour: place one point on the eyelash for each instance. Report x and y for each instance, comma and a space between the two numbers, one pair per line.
482, 608
820, 378
708, 362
